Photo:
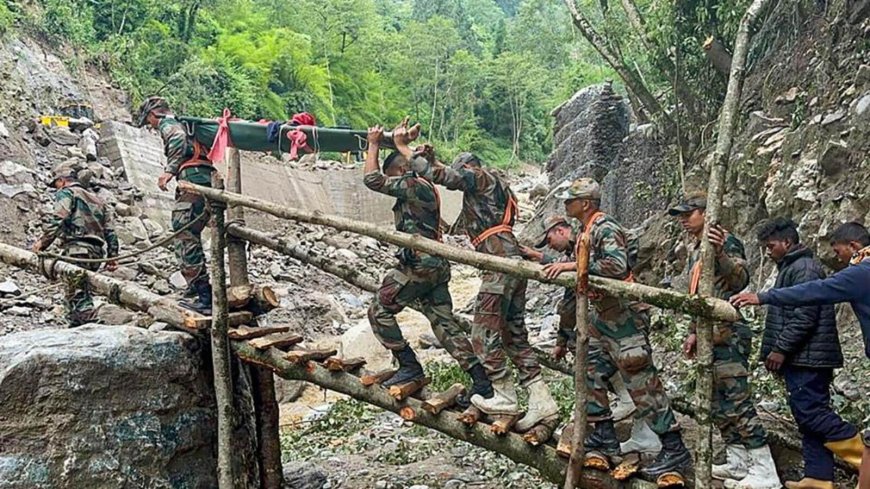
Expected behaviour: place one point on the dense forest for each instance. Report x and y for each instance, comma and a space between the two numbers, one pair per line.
480, 75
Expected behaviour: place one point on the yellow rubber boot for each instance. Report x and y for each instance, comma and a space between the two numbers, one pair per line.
849, 450
809, 483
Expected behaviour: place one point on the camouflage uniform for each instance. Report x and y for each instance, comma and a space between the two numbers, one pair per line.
499, 329
733, 410
617, 337
180, 148
84, 226
420, 276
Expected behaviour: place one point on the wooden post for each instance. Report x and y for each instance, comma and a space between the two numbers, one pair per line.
220, 354
715, 191
575, 463
266, 406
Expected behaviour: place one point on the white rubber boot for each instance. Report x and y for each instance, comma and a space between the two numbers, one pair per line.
624, 405
541, 405
503, 400
762, 472
643, 439
736, 466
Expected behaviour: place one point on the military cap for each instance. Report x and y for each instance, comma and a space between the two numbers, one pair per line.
688, 203
463, 159
150, 103
66, 169
582, 188
549, 224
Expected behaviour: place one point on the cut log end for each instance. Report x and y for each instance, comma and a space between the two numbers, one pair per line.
563, 448
407, 413
403, 391
629, 466
444, 400
470, 416
335, 364
671, 479
542, 431
502, 424
301, 356
373, 378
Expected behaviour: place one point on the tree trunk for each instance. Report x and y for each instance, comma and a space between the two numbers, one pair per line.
266, 406
220, 355
715, 191
543, 458
118, 291
697, 306
581, 395
631, 79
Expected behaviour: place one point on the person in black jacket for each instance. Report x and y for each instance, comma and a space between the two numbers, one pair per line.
801, 344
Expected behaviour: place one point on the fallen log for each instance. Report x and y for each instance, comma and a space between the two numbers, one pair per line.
404, 391
263, 297
373, 378
511, 445
124, 293
444, 400
668, 299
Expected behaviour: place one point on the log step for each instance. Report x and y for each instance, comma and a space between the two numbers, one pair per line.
235, 318
542, 431
302, 356
373, 378
403, 391
563, 448
444, 400
275, 340
502, 424
629, 466
249, 333
335, 364
471, 415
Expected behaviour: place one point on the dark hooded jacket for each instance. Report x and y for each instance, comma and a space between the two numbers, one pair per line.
805, 334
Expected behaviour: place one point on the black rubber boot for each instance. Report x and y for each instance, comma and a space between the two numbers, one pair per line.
409, 368
202, 304
674, 457
480, 384
603, 439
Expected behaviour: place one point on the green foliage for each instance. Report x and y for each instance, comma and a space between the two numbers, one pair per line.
6, 18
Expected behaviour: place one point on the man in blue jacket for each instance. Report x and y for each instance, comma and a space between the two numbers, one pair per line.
851, 244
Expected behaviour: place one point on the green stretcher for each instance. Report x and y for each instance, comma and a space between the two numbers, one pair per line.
253, 136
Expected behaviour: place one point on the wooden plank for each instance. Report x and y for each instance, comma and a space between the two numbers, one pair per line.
335, 364
541, 432
502, 424
402, 392
302, 356
248, 333
236, 318
373, 378
276, 340
444, 400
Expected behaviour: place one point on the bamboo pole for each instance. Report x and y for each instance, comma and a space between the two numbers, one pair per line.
715, 191
543, 458
265, 403
581, 391
220, 355
697, 306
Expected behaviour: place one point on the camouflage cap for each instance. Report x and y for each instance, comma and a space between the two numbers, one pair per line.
688, 203
66, 169
582, 188
150, 103
463, 159
549, 224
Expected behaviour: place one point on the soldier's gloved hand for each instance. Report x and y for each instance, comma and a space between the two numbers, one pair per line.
690, 345
111, 266
164, 180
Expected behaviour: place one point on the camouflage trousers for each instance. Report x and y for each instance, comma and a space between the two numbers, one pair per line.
188, 245
499, 329
78, 301
423, 288
618, 344
733, 410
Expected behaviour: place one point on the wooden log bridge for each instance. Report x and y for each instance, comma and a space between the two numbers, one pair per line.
512, 445
705, 307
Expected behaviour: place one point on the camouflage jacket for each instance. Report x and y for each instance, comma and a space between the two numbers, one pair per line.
484, 200
80, 215
608, 253
179, 148
417, 207
732, 269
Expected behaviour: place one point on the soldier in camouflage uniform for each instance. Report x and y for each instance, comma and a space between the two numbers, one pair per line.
733, 410
419, 277
618, 341
488, 214
185, 161
82, 223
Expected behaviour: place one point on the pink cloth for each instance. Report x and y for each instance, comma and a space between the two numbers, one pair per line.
222, 138
298, 139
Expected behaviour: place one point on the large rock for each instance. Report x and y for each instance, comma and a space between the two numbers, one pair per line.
360, 341
105, 407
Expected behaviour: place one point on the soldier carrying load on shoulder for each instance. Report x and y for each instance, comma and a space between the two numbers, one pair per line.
186, 160
83, 224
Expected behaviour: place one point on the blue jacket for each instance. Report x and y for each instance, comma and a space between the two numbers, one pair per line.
851, 285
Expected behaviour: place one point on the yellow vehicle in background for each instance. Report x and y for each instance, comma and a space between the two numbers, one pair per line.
72, 114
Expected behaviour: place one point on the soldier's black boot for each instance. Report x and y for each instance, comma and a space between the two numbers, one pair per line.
603, 439
480, 384
409, 368
674, 457
202, 303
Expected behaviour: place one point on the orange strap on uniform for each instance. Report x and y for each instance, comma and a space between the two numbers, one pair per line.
587, 231
437, 203
196, 159
695, 279
510, 211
